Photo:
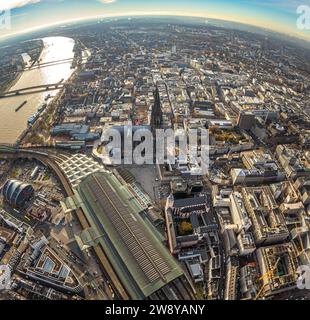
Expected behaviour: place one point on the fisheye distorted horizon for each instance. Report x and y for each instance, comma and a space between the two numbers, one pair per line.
276, 15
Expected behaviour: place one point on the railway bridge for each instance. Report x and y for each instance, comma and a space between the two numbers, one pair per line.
32, 89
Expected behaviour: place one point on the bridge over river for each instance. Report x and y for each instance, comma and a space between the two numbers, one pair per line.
33, 89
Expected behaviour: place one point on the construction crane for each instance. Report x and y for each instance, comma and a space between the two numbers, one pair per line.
268, 274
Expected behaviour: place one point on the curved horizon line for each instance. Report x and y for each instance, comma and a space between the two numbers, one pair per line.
153, 13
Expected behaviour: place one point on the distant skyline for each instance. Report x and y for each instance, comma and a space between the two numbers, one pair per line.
276, 15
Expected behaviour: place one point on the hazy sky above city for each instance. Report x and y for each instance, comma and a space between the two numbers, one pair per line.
278, 15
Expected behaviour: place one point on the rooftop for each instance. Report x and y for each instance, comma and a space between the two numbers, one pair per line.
141, 261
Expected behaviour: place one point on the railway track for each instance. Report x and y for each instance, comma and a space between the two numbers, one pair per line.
49, 160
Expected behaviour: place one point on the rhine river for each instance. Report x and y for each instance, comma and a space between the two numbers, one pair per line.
12, 123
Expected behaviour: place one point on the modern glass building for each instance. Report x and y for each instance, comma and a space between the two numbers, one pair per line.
17, 193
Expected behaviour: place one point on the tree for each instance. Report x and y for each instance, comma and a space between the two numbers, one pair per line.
185, 228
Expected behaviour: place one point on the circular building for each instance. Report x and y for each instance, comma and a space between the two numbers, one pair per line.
16, 193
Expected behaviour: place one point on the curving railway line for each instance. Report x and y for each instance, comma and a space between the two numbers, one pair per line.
49, 160
176, 288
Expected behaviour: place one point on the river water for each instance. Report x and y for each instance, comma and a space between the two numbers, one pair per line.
12, 123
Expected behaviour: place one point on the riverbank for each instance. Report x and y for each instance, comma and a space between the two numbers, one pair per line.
14, 81
41, 129
13, 125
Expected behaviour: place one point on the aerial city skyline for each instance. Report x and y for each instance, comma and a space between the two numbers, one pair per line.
277, 15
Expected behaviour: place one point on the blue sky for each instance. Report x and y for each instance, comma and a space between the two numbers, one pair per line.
278, 15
